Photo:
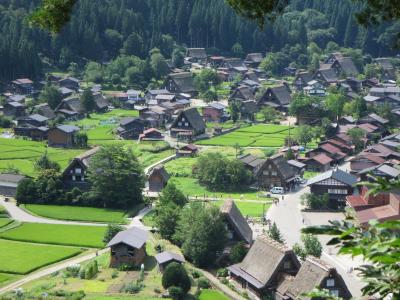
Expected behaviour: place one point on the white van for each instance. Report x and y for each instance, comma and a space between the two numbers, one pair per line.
277, 190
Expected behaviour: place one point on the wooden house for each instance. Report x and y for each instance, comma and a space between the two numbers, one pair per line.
301, 80
157, 178
181, 83
242, 93
75, 174
198, 55
251, 162
9, 184
62, 136
35, 120
45, 110
318, 163
14, 109
128, 247
326, 76
65, 92
345, 66
313, 273
165, 258
248, 109
275, 171
151, 134
238, 228
35, 133
71, 108
101, 103
336, 183
188, 124
277, 97
214, 112
253, 60
23, 86
264, 266
71, 83
364, 161
189, 150
131, 128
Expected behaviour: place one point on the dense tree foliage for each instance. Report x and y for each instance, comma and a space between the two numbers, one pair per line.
116, 177
201, 233
175, 275
50, 95
219, 173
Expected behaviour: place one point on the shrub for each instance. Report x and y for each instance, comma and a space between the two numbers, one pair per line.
176, 292
133, 287
238, 252
203, 283
312, 201
175, 275
73, 270
82, 273
111, 231
114, 274
223, 272
196, 274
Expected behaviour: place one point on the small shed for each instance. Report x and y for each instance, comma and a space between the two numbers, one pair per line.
9, 184
165, 258
158, 178
128, 247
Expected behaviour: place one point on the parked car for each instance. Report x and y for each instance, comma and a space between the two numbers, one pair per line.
277, 190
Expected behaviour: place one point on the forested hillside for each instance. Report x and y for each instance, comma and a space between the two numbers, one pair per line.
102, 29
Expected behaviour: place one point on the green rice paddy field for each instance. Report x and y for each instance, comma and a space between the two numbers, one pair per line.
66, 235
261, 135
4, 222
22, 258
77, 213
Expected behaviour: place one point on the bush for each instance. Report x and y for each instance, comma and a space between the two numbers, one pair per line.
73, 270
175, 275
203, 283
196, 274
114, 274
223, 272
238, 252
312, 201
91, 270
176, 292
133, 287
111, 231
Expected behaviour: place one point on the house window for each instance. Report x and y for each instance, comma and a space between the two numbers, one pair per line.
337, 191
186, 124
78, 171
330, 282
183, 119
179, 123
73, 178
334, 293
274, 173
265, 172
287, 265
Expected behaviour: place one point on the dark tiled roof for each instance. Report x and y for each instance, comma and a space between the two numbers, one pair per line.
134, 237
337, 174
236, 219
39, 118
167, 256
68, 128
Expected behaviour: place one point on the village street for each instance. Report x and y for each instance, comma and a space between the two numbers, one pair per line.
290, 220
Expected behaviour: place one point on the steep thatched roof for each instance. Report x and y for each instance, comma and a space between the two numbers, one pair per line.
237, 221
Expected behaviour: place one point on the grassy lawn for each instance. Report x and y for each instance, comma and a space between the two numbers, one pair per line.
250, 209
69, 235
148, 220
212, 295
5, 278
22, 154
191, 187
4, 222
261, 135
76, 213
22, 258
310, 174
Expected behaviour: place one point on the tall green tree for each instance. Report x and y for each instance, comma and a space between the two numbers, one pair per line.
87, 101
50, 95
117, 177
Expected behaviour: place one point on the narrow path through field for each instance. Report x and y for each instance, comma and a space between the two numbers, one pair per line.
21, 215
49, 270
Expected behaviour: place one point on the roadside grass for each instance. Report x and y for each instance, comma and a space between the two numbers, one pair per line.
22, 154
5, 221
77, 213
251, 209
6, 277
212, 295
67, 235
22, 258
310, 174
261, 135
148, 219
191, 187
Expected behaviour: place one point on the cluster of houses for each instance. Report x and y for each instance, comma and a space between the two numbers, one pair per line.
269, 268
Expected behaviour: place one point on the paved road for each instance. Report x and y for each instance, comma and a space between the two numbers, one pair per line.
290, 220
21, 215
